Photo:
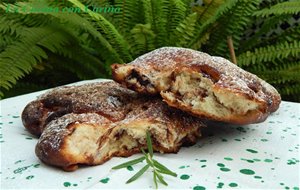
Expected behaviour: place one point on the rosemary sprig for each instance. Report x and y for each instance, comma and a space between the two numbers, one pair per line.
157, 168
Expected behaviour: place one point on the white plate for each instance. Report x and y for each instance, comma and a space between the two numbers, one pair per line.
258, 156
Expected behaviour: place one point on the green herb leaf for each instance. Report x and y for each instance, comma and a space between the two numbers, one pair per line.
155, 180
129, 163
143, 151
138, 174
149, 143
167, 173
161, 179
163, 169
149, 160
158, 168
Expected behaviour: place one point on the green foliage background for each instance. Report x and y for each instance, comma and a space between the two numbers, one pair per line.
40, 50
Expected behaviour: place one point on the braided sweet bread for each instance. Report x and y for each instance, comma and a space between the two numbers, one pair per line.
204, 85
91, 123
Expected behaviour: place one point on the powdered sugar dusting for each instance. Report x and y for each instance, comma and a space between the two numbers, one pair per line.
168, 59
52, 147
92, 97
57, 129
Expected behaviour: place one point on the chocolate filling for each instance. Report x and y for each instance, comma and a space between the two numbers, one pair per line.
142, 79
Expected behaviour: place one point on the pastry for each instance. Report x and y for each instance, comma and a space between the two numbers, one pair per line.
203, 85
94, 97
91, 123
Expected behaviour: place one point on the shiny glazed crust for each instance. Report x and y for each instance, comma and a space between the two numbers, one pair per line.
89, 124
204, 85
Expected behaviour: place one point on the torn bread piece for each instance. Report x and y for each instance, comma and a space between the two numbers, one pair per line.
112, 121
105, 98
204, 85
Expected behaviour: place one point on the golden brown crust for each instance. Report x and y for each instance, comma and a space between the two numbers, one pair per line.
221, 90
91, 98
78, 129
251, 116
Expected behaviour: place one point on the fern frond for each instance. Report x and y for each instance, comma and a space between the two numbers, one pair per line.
109, 32
208, 27
188, 3
177, 13
284, 77
84, 64
101, 3
33, 20
84, 44
280, 76
186, 30
159, 24
232, 24
269, 53
268, 25
288, 7
154, 13
23, 16
209, 9
5, 41
147, 10
22, 88
143, 39
129, 16
292, 90
78, 22
287, 64
81, 64
107, 51
19, 58
9, 26
107, 8
289, 35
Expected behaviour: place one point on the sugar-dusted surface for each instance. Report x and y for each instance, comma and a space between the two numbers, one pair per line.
259, 156
156, 64
56, 131
94, 97
102, 105
169, 58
